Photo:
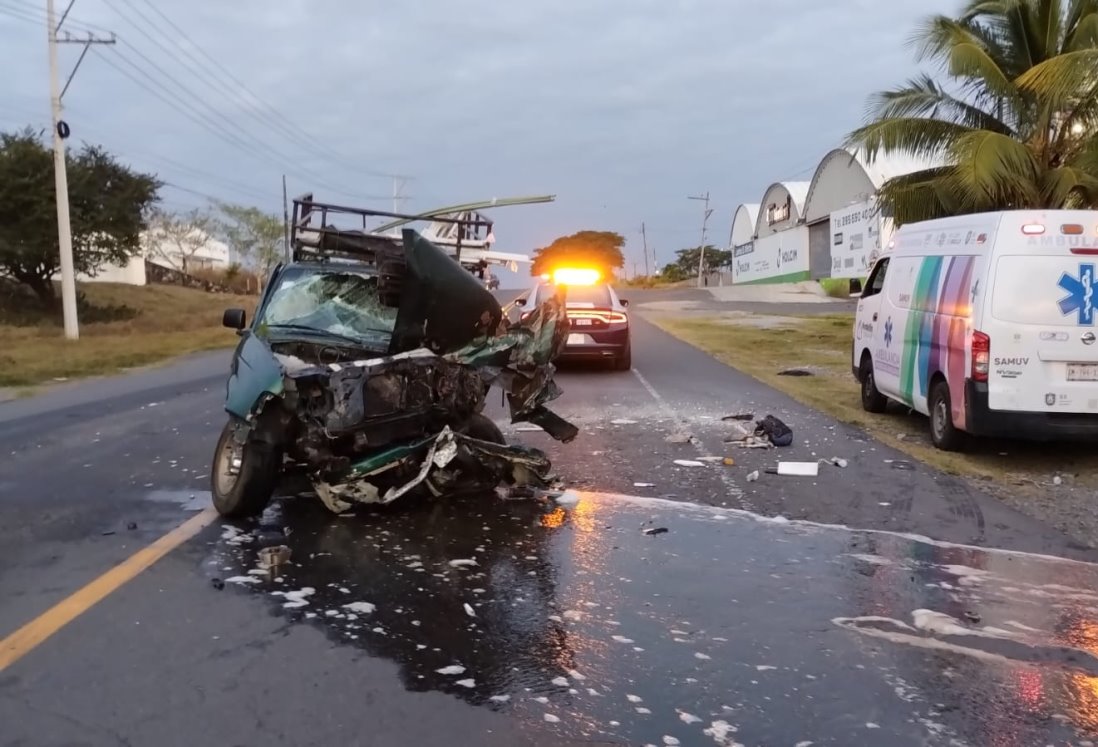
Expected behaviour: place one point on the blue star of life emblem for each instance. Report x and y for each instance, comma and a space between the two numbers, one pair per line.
888, 332
1080, 298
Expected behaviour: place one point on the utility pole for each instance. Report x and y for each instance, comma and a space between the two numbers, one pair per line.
60, 174
644, 238
285, 221
705, 222
398, 198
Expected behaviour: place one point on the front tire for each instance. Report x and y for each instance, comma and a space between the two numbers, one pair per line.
943, 434
872, 400
243, 477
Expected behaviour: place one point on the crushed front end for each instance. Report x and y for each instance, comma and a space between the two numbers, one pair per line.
366, 426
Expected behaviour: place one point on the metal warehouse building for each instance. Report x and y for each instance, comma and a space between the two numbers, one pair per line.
827, 227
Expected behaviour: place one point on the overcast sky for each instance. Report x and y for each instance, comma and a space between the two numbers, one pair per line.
620, 109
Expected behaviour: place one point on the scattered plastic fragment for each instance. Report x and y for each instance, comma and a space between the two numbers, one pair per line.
644, 485
469, 610
688, 463
272, 557
452, 669
656, 530
752, 477
567, 498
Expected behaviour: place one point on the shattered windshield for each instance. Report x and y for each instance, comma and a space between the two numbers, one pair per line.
331, 300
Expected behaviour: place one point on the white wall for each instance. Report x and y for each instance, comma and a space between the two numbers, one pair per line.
130, 273
212, 254
779, 255
858, 232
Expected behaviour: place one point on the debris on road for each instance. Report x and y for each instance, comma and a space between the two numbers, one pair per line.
656, 530
795, 372
740, 416
773, 429
567, 498
644, 485
753, 476
689, 463
798, 469
679, 438
272, 557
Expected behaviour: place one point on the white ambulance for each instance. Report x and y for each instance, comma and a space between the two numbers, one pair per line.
986, 323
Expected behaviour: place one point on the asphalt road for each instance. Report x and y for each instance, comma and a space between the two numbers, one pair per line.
781, 611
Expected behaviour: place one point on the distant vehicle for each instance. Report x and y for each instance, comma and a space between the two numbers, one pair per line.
492, 283
986, 324
598, 320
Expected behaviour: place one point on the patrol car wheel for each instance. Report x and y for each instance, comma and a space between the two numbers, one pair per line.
942, 432
872, 400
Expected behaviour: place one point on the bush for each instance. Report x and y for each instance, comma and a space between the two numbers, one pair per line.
233, 278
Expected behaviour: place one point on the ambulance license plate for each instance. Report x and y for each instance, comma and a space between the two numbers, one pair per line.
576, 339
1082, 372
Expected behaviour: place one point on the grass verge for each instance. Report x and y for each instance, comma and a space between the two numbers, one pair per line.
121, 326
821, 344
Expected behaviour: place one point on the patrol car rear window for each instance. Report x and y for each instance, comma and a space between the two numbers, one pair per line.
599, 295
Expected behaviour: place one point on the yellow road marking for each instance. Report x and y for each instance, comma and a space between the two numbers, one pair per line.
23, 641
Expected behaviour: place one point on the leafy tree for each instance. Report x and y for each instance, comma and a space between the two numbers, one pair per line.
1014, 124
178, 238
254, 235
108, 207
598, 249
686, 261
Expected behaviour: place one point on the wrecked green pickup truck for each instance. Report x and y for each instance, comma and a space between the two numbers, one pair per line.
366, 370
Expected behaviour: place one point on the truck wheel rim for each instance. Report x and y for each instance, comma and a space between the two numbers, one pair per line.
229, 459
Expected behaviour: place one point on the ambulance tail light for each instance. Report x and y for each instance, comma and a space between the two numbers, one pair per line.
981, 356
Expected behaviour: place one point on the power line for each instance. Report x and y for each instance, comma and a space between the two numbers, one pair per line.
225, 131
290, 126
219, 74
214, 122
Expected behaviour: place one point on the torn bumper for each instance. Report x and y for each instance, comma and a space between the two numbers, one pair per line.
448, 462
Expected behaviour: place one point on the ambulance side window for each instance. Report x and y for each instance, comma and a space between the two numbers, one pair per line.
876, 280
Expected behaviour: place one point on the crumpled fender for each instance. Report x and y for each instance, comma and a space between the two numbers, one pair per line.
255, 375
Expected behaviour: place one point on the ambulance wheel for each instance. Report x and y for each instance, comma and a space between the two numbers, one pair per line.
872, 400
942, 432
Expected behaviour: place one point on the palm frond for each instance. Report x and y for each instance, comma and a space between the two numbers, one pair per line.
1081, 25
923, 97
1069, 187
1063, 78
918, 196
920, 137
992, 170
965, 52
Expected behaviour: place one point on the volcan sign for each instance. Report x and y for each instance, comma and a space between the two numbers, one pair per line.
855, 235
782, 255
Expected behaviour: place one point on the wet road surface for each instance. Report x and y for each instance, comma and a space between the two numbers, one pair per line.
92, 474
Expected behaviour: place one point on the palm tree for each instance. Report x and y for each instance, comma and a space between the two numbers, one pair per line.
1015, 125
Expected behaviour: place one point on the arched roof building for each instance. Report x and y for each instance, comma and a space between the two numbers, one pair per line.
825, 227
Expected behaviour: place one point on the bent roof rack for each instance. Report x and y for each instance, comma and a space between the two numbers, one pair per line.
313, 235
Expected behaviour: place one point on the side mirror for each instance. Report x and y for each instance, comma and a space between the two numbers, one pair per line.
233, 319
520, 302
624, 302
